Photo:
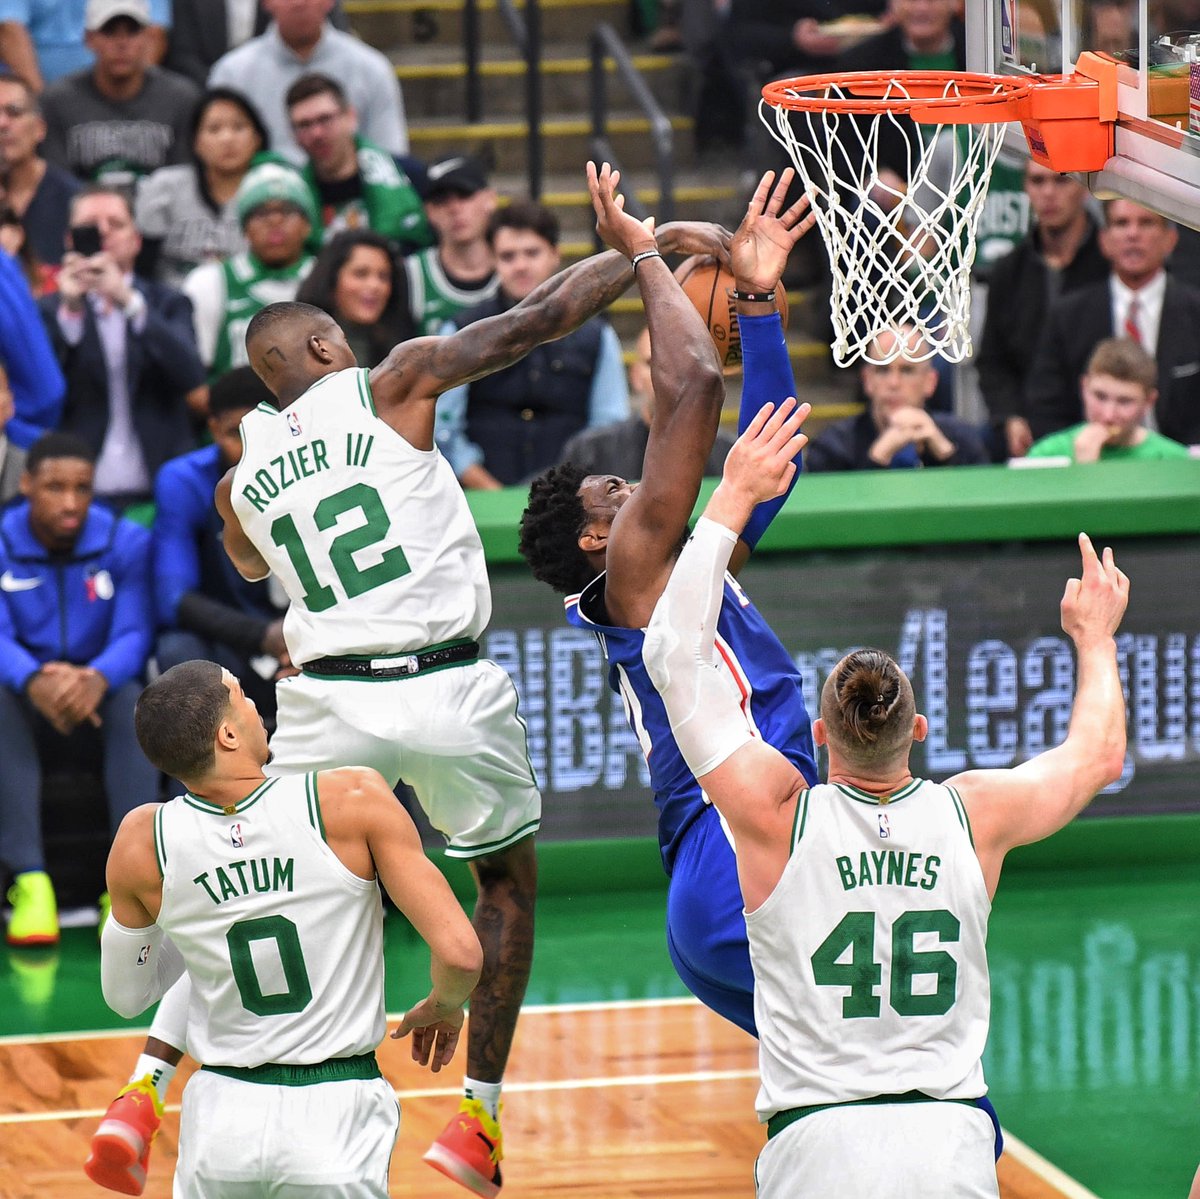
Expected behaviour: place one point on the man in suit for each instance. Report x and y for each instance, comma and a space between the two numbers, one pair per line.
201, 32
1139, 301
128, 352
1060, 254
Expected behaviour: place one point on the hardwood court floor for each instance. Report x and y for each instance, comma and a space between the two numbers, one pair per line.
645, 1100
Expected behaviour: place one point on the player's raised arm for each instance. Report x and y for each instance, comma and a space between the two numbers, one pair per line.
1033, 800
421, 369
689, 391
242, 553
759, 254
752, 784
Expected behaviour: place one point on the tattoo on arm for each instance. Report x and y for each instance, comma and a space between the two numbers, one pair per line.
553, 310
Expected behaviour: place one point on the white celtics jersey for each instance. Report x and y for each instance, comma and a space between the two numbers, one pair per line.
870, 962
371, 538
283, 943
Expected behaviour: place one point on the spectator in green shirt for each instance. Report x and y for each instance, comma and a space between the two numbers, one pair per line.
1119, 390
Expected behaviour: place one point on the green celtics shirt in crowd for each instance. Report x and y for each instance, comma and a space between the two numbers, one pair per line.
226, 295
1153, 446
384, 200
434, 298
1005, 216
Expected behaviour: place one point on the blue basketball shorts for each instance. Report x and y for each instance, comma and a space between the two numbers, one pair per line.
706, 931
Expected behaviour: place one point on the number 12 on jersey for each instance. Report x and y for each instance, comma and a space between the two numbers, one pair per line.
862, 974
354, 579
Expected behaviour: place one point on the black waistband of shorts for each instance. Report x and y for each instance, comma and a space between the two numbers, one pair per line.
395, 666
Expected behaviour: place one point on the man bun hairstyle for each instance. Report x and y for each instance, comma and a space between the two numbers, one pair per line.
177, 717
868, 707
550, 529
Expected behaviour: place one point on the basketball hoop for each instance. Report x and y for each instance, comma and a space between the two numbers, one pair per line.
901, 241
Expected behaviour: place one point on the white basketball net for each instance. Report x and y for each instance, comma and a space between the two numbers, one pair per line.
900, 255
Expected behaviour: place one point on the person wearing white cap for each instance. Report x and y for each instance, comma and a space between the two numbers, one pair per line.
122, 118
42, 40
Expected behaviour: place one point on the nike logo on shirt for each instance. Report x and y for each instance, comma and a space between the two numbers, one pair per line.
9, 582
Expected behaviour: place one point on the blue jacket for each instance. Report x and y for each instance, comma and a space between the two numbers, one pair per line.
28, 357
90, 607
188, 551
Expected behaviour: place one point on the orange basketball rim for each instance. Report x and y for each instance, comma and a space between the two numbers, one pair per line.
1068, 120
897, 164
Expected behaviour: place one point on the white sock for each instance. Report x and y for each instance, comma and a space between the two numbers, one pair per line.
488, 1093
160, 1073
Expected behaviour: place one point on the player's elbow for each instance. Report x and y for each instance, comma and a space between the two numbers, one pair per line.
461, 953
124, 1007
702, 375
470, 954
1111, 763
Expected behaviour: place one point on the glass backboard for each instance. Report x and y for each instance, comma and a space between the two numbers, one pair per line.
1157, 42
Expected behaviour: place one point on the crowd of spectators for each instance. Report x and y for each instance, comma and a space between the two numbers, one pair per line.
164, 175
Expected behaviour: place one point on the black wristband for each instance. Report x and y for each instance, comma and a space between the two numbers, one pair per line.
755, 297
641, 257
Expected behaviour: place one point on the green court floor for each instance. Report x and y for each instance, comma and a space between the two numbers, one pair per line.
1094, 1056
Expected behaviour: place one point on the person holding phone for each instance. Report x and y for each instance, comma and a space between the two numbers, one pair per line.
126, 347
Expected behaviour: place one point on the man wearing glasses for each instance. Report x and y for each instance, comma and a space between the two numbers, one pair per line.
39, 192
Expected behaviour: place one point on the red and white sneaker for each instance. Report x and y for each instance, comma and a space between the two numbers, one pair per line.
469, 1150
120, 1153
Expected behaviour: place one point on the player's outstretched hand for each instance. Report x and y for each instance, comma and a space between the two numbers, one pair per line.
435, 1031
1093, 604
759, 466
617, 228
761, 245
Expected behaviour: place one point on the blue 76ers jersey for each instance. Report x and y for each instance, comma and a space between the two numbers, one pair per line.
765, 676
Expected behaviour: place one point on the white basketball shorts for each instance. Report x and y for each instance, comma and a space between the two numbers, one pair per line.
887, 1151
453, 735
248, 1140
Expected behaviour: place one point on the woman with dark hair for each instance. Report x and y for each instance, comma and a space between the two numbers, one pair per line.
359, 280
186, 213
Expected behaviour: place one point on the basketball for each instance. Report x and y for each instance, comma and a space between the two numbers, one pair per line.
709, 286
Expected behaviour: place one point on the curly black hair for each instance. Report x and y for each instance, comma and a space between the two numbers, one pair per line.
550, 529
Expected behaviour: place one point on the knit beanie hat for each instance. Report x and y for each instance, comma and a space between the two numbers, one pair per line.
271, 180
